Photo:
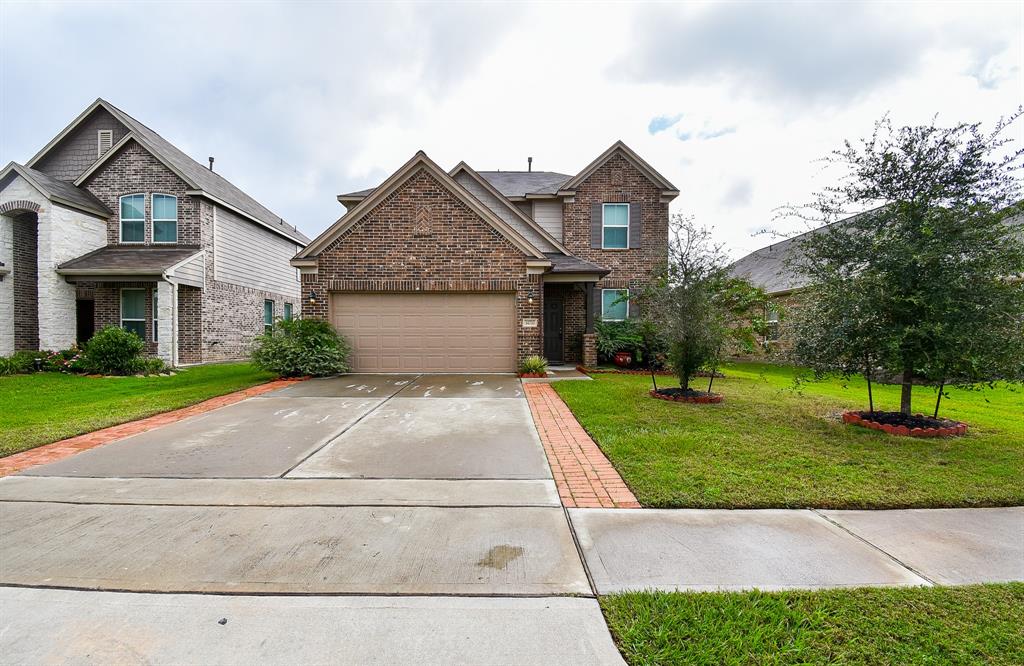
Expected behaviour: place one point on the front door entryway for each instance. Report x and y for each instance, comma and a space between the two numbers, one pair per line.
85, 322
554, 332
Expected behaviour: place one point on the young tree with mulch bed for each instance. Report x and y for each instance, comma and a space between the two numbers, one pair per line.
926, 284
695, 308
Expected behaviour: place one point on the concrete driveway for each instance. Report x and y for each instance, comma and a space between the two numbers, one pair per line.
393, 485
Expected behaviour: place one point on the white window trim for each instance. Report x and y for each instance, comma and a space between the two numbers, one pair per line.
99, 142
602, 305
614, 226
121, 220
121, 308
155, 220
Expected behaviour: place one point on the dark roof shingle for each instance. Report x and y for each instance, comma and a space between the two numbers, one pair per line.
521, 183
134, 260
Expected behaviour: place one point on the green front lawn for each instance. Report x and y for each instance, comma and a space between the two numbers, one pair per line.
46, 407
769, 445
920, 625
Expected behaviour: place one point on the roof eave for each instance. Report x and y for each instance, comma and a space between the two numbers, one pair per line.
238, 211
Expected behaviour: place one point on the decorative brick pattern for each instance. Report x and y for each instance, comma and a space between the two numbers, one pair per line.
383, 252
49, 453
19, 205
583, 475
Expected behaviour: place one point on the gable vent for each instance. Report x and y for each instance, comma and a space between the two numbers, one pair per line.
104, 140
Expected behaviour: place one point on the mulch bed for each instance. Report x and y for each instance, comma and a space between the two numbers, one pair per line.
896, 423
533, 375
689, 395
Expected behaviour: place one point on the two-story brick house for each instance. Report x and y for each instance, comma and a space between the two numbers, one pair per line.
472, 271
110, 224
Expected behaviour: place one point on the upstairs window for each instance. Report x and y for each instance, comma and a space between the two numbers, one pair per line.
165, 218
615, 226
133, 218
614, 304
133, 311
268, 316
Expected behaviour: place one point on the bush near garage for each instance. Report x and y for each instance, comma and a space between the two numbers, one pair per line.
302, 347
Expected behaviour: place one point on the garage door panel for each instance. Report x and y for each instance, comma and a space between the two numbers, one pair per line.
428, 332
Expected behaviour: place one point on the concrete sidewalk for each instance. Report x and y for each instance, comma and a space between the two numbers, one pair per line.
702, 550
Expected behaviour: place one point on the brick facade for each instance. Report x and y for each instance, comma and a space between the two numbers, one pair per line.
107, 308
26, 281
424, 238
134, 171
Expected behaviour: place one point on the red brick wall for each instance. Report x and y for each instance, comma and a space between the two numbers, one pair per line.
618, 181
134, 171
456, 250
190, 325
107, 308
25, 275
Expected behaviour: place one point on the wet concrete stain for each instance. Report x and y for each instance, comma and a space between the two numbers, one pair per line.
500, 556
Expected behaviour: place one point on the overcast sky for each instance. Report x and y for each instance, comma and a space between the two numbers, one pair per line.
733, 102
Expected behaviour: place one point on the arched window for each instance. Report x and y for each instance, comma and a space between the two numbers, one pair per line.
133, 218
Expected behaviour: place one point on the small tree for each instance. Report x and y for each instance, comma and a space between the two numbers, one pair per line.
925, 284
684, 303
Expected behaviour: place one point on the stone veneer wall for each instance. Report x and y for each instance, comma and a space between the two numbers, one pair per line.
424, 238
6, 286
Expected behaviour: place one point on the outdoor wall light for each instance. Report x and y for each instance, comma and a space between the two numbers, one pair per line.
312, 297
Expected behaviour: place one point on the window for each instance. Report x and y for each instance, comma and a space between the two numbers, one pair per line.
771, 319
133, 218
614, 304
288, 311
133, 311
156, 316
615, 226
165, 218
104, 141
268, 316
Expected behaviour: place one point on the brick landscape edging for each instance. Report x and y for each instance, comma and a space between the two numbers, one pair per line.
48, 453
857, 418
583, 475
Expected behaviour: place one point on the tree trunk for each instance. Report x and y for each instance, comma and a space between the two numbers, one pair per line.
938, 400
908, 386
686, 382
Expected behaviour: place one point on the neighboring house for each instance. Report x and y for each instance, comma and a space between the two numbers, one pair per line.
770, 268
468, 270
109, 224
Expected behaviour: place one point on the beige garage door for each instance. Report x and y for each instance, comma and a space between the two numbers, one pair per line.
427, 332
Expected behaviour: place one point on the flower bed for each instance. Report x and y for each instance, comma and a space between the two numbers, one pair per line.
895, 423
678, 395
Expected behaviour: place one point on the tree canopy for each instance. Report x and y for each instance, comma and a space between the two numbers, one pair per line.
926, 283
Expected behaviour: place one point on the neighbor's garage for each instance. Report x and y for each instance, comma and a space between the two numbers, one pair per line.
449, 332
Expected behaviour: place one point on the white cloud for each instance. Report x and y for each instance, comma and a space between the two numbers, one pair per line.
302, 101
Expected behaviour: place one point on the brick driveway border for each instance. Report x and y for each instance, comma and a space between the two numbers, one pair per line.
48, 453
583, 475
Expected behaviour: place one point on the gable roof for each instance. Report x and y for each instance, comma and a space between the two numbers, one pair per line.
418, 162
58, 191
489, 187
668, 189
202, 180
524, 183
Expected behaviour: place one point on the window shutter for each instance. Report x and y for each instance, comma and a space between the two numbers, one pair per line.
634, 312
636, 228
597, 303
595, 226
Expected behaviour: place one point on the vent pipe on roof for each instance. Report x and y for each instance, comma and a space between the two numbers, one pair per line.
211, 164
529, 164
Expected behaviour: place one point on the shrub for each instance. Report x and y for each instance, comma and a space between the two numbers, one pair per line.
634, 336
18, 362
533, 365
149, 366
300, 347
113, 351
